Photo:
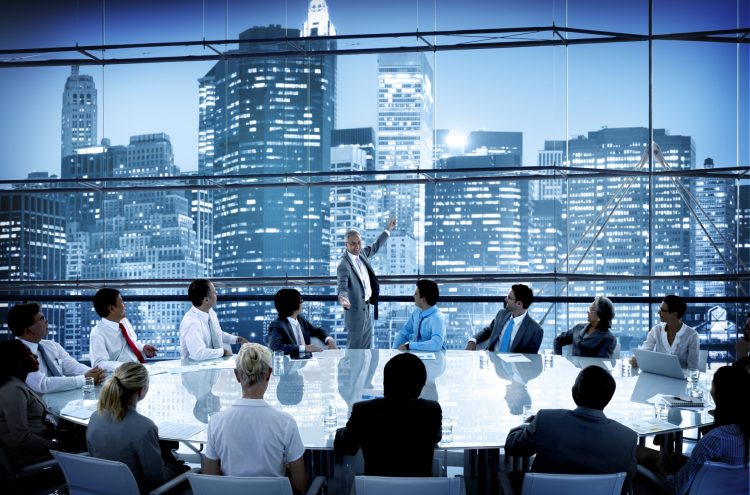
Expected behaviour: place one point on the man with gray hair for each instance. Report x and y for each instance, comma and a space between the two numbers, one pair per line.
358, 287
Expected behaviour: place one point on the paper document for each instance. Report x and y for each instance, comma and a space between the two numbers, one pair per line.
78, 410
513, 358
649, 426
425, 356
177, 431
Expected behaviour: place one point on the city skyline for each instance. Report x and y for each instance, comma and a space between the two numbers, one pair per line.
538, 91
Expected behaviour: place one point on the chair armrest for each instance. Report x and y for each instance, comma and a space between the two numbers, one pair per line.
506, 488
649, 480
35, 468
173, 483
317, 485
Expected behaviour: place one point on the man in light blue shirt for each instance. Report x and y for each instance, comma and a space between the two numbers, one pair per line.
425, 328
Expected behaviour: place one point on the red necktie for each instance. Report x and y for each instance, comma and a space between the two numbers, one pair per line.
131, 344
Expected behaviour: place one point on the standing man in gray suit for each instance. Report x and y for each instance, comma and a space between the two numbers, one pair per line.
513, 329
358, 287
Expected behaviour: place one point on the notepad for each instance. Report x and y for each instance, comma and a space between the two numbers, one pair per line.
178, 431
682, 401
425, 356
513, 358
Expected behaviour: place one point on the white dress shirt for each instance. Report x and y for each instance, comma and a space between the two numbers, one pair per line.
108, 348
195, 335
364, 276
685, 344
71, 370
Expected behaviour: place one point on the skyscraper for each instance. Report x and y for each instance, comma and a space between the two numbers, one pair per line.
32, 244
608, 219
405, 112
269, 115
79, 112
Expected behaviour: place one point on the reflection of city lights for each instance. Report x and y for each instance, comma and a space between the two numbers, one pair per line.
456, 140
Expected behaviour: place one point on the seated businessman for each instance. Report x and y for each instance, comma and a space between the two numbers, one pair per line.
58, 371
113, 340
291, 332
425, 328
513, 329
581, 441
397, 433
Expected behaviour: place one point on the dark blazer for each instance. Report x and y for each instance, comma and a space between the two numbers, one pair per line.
600, 343
528, 338
581, 441
281, 335
23, 434
397, 437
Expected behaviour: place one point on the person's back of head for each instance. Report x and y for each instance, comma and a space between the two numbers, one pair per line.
198, 290
128, 379
20, 317
729, 391
675, 304
287, 301
253, 364
103, 299
428, 289
524, 294
594, 388
404, 377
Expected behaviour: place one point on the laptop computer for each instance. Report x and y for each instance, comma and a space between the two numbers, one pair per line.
659, 363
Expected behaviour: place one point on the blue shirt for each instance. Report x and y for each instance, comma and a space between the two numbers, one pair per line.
722, 444
424, 331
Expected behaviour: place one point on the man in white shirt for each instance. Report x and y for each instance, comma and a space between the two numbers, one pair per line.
201, 337
58, 371
113, 340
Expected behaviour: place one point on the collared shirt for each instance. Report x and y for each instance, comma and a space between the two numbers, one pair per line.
272, 434
71, 370
722, 444
364, 275
685, 344
298, 334
427, 337
195, 335
108, 349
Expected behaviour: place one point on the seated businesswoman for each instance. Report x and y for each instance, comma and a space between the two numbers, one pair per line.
117, 432
728, 442
25, 438
251, 438
291, 332
672, 336
592, 339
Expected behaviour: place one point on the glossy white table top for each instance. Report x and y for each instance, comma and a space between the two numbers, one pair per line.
482, 393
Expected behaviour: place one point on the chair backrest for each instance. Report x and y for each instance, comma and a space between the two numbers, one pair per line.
205, 484
91, 476
381, 485
573, 484
721, 479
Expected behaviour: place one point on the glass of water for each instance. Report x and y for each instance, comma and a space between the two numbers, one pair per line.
88, 388
278, 363
447, 429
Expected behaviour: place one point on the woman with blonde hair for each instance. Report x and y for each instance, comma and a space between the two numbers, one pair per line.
251, 438
118, 433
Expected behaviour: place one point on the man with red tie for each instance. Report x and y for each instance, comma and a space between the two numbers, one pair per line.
113, 340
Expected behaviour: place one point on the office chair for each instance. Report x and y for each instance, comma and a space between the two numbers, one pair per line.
28, 478
382, 485
716, 478
205, 484
572, 484
91, 476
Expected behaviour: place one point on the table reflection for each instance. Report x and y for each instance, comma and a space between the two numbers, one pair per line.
484, 401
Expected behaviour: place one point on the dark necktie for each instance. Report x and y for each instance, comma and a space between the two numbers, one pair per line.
48, 362
419, 329
131, 344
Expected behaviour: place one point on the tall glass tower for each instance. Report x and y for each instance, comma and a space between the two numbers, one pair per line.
269, 115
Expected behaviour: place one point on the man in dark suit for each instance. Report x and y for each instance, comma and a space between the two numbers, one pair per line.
358, 287
291, 332
398, 433
513, 329
581, 441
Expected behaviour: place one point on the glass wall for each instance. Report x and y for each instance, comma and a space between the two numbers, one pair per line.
240, 141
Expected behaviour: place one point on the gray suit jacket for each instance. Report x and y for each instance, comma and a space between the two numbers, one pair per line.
581, 441
528, 338
357, 320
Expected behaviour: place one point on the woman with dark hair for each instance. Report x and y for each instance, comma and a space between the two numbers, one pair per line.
729, 440
118, 433
24, 436
592, 339
291, 332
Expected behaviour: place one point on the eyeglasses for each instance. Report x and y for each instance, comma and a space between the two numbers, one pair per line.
663, 310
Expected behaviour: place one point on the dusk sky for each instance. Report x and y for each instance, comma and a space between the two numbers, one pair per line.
700, 89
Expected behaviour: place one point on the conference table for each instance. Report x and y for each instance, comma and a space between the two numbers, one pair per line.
484, 394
